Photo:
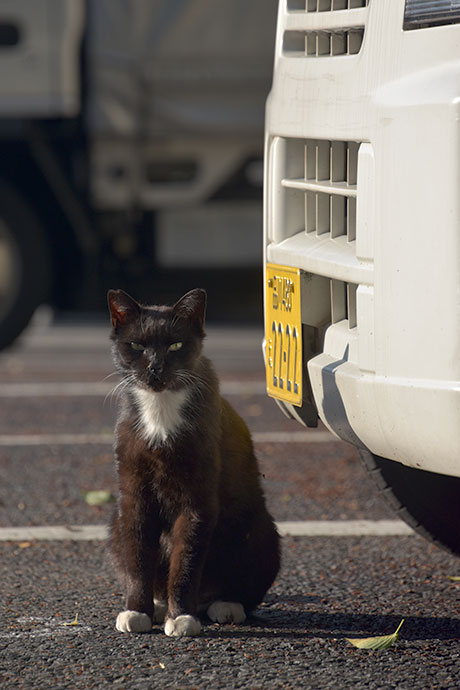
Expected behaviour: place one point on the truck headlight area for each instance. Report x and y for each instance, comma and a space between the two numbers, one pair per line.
420, 14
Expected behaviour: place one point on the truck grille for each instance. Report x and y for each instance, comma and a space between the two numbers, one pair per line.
315, 186
314, 30
321, 180
322, 43
324, 5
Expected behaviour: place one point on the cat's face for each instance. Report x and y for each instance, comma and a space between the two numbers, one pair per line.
158, 346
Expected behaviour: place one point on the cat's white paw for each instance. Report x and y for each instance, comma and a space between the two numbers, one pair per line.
182, 626
160, 611
133, 621
226, 612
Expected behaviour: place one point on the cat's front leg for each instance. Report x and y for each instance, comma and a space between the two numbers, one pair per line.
134, 548
190, 541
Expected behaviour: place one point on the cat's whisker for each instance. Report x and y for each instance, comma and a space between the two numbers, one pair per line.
109, 376
110, 393
127, 380
188, 379
187, 375
192, 377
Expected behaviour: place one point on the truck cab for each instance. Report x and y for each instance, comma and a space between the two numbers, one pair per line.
362, 240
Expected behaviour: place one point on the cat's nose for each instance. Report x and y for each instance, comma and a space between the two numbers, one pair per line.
156, 378
155, 369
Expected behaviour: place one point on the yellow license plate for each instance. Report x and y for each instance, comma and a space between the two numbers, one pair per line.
283, 333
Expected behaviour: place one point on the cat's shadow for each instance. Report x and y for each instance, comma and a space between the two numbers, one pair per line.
294, 624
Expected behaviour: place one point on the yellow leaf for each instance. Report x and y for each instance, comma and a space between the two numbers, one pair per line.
380, 642
98, 498
454, 578
74, 622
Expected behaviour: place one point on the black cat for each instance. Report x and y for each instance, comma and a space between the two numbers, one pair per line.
191, 532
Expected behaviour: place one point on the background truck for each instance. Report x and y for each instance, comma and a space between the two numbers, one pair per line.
362, 240
131, 143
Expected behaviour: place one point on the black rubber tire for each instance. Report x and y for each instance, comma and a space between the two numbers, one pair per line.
27, 254
428, 502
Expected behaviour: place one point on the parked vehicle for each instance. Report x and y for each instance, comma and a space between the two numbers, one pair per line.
131, 136
362, 240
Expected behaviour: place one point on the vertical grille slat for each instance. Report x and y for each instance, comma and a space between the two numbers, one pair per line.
351, 305
310, 212
323, 160
338, 161
351, 219
352, 163
338, 216
338, 301
310, 160
343, 302
322, 214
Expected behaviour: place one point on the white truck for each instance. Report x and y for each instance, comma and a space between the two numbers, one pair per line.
131, 144
362, 240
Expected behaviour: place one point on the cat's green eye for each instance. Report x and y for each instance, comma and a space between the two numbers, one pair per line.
138, 347
174, 347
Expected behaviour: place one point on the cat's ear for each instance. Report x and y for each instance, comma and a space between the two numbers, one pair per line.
192, 306
122, 307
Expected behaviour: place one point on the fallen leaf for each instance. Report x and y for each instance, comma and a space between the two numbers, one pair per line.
454, 578
24, 544
380, 642
74, 622
98, 498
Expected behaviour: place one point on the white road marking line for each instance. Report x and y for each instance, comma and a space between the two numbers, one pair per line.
306, 528
15, 440
50, 389
54, 533
344, 528
41, 626
55, 439
293, 437
102, 388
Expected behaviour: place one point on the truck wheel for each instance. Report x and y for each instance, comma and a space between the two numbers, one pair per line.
428, 502
25, 274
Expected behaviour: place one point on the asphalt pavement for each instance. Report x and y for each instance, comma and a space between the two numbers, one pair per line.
56, 422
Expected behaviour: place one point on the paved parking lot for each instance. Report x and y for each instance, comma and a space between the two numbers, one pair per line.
56, 424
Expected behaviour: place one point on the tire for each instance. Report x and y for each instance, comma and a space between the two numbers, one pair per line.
428, 502
25, 265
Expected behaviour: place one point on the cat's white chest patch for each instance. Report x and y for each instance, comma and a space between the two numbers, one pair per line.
160, 414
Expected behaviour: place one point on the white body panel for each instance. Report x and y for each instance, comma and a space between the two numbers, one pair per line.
40, 70
389, 374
